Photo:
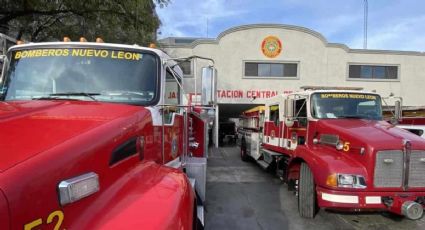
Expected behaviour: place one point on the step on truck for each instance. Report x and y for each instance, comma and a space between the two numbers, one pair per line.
334, 150
96, 136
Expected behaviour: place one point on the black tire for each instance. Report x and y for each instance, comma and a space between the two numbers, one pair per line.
244, 156
306, 193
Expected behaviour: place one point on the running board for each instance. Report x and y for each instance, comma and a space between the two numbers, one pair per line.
200, 212
269, 156
263, 164
199, 208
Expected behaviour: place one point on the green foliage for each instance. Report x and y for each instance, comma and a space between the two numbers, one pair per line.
115, 21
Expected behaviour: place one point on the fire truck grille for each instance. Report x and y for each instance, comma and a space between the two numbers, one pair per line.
417, 169
388, 169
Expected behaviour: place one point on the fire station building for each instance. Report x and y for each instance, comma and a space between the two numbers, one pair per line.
256, 62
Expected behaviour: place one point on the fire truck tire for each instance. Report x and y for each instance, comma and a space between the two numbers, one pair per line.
244, 156
306, 193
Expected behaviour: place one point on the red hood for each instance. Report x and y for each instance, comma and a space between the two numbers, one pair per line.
30, 127
374, 134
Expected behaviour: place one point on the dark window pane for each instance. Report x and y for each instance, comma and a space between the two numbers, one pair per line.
264, 70
392, 72
354, 71
251, 69
366, 71
290, 70
373, 72
379, 72
274, 114
169, 76
186, 67
276, 70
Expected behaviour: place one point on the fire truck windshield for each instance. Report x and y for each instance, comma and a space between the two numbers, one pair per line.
346, 105
82, 74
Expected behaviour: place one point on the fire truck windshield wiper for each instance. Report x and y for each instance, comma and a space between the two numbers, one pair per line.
90, 95
352, 116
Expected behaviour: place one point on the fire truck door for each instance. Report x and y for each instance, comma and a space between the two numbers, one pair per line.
272, 133
298, 131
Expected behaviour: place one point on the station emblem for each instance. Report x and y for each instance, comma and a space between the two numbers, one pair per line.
271, 46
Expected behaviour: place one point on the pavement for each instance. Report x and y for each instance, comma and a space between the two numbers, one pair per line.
241, 195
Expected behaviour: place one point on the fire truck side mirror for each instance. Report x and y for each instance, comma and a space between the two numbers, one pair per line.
208, 82
289, 108
3, 64
2, 61
289, 112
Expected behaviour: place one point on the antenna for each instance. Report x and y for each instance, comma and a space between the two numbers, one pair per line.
207, 27
365, 24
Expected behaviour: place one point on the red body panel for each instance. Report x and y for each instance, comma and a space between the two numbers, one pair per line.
50, 141
38, 126
198, 126
149, 196
4, 211
413, 121
173, 135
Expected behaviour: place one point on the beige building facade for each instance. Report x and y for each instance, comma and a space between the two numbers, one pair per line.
256, 62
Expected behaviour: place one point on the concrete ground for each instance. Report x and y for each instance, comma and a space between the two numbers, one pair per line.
240, 195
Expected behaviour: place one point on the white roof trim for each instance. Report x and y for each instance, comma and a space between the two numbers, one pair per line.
201, 41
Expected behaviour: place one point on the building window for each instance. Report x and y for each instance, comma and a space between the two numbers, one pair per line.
372, 72
186, 67
263, 69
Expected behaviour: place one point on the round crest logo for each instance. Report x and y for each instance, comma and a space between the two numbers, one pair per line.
271, 46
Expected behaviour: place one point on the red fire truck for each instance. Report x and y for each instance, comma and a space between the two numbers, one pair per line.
95, 136
250, 132
335, 151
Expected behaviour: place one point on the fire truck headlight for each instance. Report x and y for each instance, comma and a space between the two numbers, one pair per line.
76, 188
345, 181
351, 181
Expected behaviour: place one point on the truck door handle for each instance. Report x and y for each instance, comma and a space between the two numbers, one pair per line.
422, 160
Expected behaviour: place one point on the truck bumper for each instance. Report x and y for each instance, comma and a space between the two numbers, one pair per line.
362, 200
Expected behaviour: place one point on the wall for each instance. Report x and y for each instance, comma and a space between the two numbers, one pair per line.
319, 64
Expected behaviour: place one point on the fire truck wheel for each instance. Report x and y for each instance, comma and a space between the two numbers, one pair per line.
307, 194
244, 156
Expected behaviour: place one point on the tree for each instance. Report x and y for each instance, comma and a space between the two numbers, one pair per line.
129, 21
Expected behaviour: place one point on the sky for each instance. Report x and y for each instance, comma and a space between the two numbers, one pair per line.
392, 24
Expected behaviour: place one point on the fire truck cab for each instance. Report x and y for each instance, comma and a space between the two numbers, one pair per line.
335, 151
96, 136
